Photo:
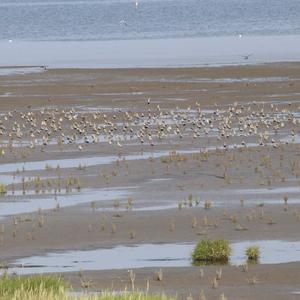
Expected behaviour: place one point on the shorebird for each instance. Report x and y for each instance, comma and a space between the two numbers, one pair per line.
123, 23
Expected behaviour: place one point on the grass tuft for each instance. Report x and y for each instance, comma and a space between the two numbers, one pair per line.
54, 288
2, 189
33, 284
253, 253
212, 251
42, 295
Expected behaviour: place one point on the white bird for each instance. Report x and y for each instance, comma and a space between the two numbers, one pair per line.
123, 23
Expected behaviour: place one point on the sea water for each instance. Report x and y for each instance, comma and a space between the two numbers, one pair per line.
148, 33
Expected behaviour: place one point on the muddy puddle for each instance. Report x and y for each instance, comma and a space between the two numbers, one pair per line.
149, 255
13, 205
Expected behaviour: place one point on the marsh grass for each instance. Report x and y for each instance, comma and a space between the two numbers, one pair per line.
113, 228
252, 280
253, 253
158, 275
41, 287
173, 157
202, 295
31, 285
207, 204
124, 295
211, 251
172, 225
132, 234
222, 297
2, 189
214, 283
244, 267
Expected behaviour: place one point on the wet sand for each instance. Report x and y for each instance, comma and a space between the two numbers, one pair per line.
121, 191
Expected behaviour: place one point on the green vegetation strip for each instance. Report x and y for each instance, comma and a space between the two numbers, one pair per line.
54, 288
9, 285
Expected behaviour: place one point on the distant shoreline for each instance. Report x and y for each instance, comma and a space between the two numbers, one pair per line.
154, 53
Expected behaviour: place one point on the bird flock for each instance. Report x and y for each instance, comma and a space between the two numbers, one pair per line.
262, 123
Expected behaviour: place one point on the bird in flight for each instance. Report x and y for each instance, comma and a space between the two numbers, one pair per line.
136, 4
246, 56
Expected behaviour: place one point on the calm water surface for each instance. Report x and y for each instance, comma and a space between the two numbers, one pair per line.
140, 19
147, 33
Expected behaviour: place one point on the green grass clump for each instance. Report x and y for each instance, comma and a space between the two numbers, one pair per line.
253, 253
130, 296
42, 295
20, 295
9, 285
212, 251
2, 189
41, 287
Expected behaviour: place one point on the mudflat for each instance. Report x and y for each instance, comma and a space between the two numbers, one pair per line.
102, 158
